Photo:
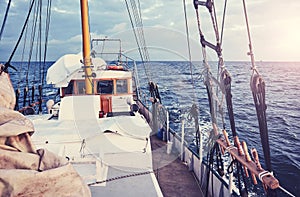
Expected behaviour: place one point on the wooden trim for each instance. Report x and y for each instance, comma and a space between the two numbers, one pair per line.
267, 179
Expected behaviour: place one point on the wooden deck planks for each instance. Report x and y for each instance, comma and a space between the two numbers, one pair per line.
173, 176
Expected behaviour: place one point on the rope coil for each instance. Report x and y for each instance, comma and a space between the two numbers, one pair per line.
263, 174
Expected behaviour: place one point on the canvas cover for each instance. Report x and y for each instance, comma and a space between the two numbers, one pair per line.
60, 72
25, 171
7, 94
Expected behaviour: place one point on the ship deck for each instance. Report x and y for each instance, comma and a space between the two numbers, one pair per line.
173, 175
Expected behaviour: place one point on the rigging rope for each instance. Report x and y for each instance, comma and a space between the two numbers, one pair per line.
33, 31
194, 111
257, 85
223, 74
5, 18
154, 93
223, 22
36, 26
22, 57
7, 64
212, 84
43, 68
226, 82
136, 15
38, 44
219, 162
249, 37
258, 92
194, 114
188, 44
17, 92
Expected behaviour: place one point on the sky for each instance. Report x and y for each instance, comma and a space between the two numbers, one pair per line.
274, 27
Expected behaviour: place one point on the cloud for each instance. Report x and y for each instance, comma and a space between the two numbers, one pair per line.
62, 11
118, 28
76, 38
154, 6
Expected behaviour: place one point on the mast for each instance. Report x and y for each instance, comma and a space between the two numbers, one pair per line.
86, 46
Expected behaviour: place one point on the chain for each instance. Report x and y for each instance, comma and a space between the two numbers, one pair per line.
121, 177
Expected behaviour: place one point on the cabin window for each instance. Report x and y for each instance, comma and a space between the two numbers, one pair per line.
122, 86
69, 89
80, 87
105, 87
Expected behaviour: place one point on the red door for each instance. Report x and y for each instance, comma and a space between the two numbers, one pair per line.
106, 103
